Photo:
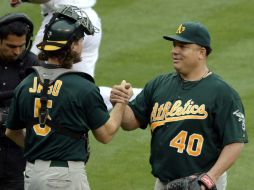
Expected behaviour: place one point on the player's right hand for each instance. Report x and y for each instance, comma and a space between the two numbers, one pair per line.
121, 93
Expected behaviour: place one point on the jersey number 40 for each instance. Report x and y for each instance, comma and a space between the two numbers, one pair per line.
192, 144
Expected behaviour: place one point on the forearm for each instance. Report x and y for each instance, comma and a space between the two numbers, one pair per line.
105, 133
228, 156
17, 136
116, 116
129, 121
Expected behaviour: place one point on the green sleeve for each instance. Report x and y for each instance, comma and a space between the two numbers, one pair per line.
143, 103
230, 119
96, 110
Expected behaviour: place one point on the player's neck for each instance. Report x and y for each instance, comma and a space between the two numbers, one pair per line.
53, 61
196, 75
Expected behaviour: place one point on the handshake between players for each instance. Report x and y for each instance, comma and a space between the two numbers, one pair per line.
121, 93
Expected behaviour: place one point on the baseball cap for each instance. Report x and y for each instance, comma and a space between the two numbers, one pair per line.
191, 32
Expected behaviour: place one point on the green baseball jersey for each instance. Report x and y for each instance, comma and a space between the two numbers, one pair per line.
191, 122
73, 102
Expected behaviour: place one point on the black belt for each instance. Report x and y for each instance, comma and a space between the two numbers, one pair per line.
55, 163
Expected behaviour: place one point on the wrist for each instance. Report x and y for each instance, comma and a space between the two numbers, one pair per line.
212, 176
120, 105
207, 181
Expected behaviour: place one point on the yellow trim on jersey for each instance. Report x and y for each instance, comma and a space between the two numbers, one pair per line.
172, 119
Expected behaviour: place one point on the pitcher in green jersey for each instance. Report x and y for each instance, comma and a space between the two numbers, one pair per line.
58, 106
197, 120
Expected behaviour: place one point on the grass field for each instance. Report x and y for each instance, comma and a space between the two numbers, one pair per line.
133, 49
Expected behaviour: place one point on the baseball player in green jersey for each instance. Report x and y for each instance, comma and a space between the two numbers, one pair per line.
58, 106
197, 120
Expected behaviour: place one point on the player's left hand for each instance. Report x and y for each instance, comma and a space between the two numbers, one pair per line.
194, 182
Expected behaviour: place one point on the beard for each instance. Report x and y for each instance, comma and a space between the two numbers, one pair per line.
70, 58
76, 57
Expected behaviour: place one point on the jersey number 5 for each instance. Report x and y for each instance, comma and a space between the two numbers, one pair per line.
41, 131
181, 143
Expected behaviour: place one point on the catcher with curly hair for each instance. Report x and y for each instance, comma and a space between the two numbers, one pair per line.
196, 119
58, 106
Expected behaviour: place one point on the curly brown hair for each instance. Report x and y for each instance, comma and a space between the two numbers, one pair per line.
66, 56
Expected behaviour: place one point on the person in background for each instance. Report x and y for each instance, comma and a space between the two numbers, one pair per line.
90, 52
16, 31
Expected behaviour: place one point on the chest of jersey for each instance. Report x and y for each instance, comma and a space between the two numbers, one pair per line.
177, 102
